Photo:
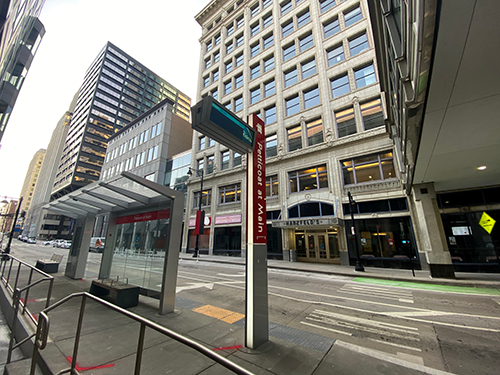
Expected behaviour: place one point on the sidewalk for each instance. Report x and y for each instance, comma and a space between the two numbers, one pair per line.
109, 340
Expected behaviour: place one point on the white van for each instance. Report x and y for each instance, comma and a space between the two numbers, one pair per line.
97, 244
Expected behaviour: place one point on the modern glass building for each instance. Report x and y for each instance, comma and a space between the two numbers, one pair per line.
115, 91
21, 33
308, 69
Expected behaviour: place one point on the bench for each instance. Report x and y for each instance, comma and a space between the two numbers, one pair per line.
120, 293
49, 265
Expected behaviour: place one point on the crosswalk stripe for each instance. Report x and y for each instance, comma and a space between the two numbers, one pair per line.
378, 290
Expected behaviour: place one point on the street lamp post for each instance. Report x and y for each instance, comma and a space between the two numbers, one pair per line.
200, 225
352, 204
7, 248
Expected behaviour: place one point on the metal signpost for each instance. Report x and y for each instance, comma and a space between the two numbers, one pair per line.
212, 119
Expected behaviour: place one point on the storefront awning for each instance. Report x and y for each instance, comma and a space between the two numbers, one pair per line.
123, 192
308, 223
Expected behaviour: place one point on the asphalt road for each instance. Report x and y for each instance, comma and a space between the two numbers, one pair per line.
454, 332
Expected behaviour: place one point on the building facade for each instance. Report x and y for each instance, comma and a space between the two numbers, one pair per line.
116, 90
442, 87
31, 179
20, 36
308, 69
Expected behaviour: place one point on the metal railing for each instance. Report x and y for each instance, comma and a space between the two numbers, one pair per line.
42, 334
18, 292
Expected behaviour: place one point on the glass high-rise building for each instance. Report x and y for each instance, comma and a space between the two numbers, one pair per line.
116, 90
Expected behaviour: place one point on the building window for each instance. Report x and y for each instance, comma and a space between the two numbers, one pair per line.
254, 29
208, 46
272, 186
216, 56
268, 41
292, 105
303, 18
306, 42
238, 81
227, 105
217, 39
206, 81
255, 71
155, 130
210, 164
224, 157
308, 68
372, 114
308, 179
236, 159
238, 60
353, 16
254, 95
288, 52
368, 168
271, 146
205, 198
326, 5
286, 7
254, 49
365, 76
287, 28
230, 193
267, 20
269, 63
229, 66
229, 48
227, 87
314, 130
270, 115
238, 103
266, 3
340, 86
211, 142
335, 55
207, 63
331, 27
291, 77
311, 98
200, 164
254, 10
215, 75
358, 44
215, 94
269, 88
239, 40
240, 21
346, 123
230, 30
294, 138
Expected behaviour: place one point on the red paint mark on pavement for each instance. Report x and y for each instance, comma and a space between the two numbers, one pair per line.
79, 368
228, 347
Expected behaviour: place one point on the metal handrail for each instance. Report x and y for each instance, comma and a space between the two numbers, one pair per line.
17, 295
42, 333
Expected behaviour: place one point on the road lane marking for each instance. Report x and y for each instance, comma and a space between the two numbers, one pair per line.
219, 313
377, 296
194, 286
326, 328
394, 344
389, 358
418, 313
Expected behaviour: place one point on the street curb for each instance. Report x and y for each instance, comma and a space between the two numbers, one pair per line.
446, 282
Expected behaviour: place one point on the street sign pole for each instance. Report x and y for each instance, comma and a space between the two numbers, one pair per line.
257, 315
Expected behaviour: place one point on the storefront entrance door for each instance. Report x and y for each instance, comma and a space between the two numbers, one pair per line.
319, 246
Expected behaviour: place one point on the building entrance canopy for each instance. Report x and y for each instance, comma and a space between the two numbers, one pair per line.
121, 193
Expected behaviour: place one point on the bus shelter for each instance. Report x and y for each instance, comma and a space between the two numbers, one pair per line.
143, 236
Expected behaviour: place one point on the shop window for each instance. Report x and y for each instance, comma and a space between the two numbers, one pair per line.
205, 199
230, 193
310, 209
294, 138
372, 114
368, 168
346, 123
308, 179
227, 241
272, 188
314, 130
271, 145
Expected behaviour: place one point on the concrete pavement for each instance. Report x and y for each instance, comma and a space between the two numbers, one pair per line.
109, 340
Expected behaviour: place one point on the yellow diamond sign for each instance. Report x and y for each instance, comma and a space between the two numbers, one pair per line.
487, 222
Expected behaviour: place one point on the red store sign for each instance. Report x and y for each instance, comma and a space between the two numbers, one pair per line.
147, 216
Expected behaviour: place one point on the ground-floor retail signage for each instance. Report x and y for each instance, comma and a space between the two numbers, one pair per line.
206, 221
146, 216
306, 223
228, 219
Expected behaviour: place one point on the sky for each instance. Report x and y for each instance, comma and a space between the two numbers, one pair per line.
161, 34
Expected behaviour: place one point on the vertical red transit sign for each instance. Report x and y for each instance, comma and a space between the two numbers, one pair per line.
256, 179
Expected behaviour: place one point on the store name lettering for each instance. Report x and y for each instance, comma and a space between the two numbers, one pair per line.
301, 222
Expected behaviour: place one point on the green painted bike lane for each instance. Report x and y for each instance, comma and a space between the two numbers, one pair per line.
432, 287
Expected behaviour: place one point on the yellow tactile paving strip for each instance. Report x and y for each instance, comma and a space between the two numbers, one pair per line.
218, 313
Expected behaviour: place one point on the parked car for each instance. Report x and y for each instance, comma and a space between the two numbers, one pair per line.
56, 243
65, 244
31, 240
48, 242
